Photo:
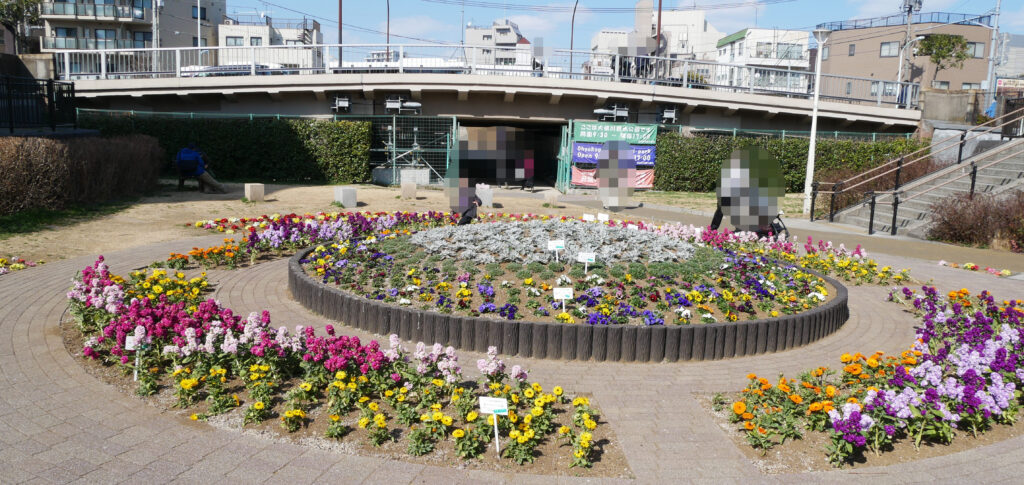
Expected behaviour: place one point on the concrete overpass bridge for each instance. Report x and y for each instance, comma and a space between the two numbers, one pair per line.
551, 89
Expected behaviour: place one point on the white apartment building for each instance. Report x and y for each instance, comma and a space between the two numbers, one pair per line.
766, 51
249, 32
128, 24
502, 45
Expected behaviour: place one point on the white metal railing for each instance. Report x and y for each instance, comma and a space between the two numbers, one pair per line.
480, 60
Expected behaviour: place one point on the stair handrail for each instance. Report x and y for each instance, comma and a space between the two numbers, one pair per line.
929, 177
979, 168
929, 152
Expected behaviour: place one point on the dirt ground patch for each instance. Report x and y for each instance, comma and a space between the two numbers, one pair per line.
162, 216
791, 204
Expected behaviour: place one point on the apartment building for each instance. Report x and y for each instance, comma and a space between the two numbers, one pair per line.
240, 31
128, 24
873, 48
777, 59
503, 45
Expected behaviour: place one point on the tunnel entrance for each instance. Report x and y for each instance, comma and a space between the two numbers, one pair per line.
509, 152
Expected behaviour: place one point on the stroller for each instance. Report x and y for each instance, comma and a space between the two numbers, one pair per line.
774, 229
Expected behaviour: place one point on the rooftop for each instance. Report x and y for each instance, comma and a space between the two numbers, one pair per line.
918, 18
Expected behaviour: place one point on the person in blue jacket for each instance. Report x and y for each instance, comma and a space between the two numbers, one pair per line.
192, 162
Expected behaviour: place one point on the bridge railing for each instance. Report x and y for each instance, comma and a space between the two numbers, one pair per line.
523, 61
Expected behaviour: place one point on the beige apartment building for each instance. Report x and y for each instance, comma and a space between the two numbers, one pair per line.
871, 48
128, 24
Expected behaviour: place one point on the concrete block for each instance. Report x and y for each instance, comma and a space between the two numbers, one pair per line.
254, 192
408, 190
486, 195
346, 196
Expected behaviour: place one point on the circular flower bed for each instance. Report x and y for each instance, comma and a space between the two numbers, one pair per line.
526, 242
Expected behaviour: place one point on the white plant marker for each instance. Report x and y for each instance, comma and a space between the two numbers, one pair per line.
588, 217
602, 217
586, 259
129, 344
494, 406
556, 245
563, 294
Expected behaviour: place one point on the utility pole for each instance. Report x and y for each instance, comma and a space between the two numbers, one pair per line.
910, 6
992, 53
657, 47
387, 38
199, 23
341, 19
572, 33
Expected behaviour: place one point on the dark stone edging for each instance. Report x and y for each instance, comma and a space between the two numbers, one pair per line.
542, 340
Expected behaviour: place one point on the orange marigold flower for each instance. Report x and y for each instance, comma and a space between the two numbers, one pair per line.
815, 407
784, 388
739, 407
751, 376
872, 362
852, 400
846, 358
747, 416
830, 391
749, 425
854, 369
762, 430
763, 381
796, 398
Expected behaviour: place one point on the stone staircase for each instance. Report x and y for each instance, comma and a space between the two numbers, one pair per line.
918, 196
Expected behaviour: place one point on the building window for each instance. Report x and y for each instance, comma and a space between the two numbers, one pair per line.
739, 49
824, 53
763, 50
255, 41
853, 49
789, 51
889, 49
233, 41
488, 37
195, 42
293, 42
705, 25
968, 86
141, 39
976, 49
65, 32
940, 84
849, 88
202, 13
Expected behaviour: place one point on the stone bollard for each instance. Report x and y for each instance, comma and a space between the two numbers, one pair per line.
486, 195
346, 196
551, 198
408, 190
254, 192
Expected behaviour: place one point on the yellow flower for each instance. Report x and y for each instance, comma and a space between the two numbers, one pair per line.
528, 393
563, 430
305, 386
458, 434
373, 407
537, 411
447, 420
363, 422
258, 405
340, 375
471, 416
334, 417
557, 390
194, 417
590, 424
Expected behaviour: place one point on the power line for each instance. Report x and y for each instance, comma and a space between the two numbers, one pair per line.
568, 8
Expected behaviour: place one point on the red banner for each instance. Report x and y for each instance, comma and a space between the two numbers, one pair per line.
640, 179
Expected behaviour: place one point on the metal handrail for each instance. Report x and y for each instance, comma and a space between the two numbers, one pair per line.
922, 157
965, 174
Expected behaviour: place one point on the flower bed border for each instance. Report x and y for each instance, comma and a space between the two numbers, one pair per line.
542, 340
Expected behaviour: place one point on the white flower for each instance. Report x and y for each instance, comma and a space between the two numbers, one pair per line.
404, 301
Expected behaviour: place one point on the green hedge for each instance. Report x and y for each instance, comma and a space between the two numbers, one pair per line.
269, 150
694, 164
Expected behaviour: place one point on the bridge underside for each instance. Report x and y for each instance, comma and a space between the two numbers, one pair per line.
485, 98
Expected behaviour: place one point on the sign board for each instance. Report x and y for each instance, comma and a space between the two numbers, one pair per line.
556, 245
586, 257
493, 405
633, 227
563, 293
129, 342
643, 155
600, 132
601, 216
588, 217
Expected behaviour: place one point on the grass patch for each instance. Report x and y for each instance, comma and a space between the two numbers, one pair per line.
791, 204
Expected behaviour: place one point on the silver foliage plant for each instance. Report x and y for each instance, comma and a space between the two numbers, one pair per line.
527, 242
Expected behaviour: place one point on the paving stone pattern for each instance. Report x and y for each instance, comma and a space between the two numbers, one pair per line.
60, 425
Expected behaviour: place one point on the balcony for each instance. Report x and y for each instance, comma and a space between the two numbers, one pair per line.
77, 43
91, 11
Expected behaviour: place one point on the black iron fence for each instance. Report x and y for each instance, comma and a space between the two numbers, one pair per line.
31, 103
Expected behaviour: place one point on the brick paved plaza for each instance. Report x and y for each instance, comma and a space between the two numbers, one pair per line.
58, 424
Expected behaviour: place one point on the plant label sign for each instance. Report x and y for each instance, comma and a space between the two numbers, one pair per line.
586, 257
601, 216
563, 293
633, 227
493, 405
588, 217
556, 245
129, 342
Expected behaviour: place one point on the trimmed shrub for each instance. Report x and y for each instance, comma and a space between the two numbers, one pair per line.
694, 164
980, 221
263, 149
45, 173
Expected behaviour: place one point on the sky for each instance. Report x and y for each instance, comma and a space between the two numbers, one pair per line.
441, 20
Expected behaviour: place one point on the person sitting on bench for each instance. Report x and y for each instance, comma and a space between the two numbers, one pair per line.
193, 163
